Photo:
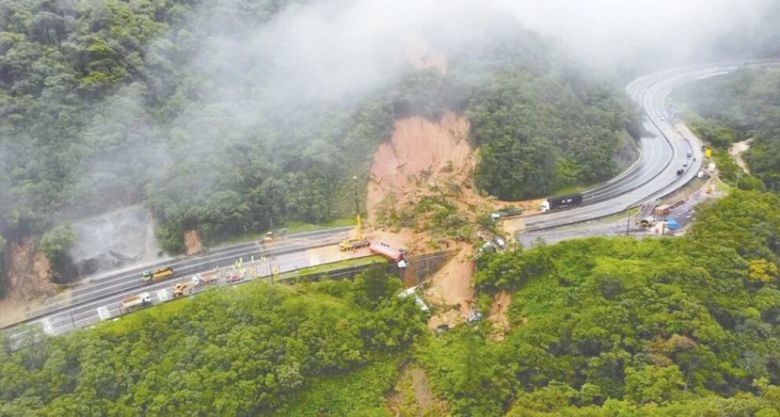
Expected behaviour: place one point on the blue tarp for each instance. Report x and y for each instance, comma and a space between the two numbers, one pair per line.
672, 223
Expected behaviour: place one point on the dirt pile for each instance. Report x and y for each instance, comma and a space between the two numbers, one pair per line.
433, 161
413, 395
28, 280
192, 242
451, 290
418, 150
498, 314
423, 174
736, 151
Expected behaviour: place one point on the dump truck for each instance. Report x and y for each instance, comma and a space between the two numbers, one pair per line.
394, 255
564, 201
135, 302
181, 289
158, 274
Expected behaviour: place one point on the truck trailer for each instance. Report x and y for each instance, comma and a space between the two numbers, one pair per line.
158, 274
135, 302
394, 255
564, 201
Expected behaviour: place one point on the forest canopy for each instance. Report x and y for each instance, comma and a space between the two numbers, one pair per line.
247, 351
741, 106
599, 327
629, 327
107, 104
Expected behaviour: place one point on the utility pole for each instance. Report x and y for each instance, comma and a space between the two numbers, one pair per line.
628, 223
357, 200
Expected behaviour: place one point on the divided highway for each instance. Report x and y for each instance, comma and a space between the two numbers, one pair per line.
653, 175
663, 154
78, 307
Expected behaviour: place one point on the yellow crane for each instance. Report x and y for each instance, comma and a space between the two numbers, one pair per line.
352, 244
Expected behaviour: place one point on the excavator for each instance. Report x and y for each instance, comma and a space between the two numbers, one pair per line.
353, 244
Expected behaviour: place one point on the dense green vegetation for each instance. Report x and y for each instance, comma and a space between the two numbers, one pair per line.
600, 327
245, 351
542, 132
607, 327
106, 104
56, 244
735, 107
112, 113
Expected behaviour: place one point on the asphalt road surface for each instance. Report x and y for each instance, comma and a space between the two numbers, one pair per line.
652, 176
663, 153
78, 307
684, 214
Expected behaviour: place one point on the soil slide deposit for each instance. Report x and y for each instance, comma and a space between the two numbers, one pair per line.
417, 146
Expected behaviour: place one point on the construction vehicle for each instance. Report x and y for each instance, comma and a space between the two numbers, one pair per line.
181, 289
135, 302
158, 274
565, 201
353, 244
646, 222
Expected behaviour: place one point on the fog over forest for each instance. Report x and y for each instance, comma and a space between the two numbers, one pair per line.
220, 115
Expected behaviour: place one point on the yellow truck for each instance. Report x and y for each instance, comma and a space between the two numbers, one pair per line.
158, 274
181, 289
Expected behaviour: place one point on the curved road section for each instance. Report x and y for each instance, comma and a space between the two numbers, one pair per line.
664, 152
653, 175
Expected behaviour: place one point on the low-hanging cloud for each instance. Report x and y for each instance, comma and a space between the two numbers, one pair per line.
247, 76
654, 33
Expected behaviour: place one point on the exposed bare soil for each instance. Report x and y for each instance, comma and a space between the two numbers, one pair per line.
430, 158
419, 55
736, 151
426, 158
192, 242
417, 150
498, 314
28, 281
413, 396
451, 290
